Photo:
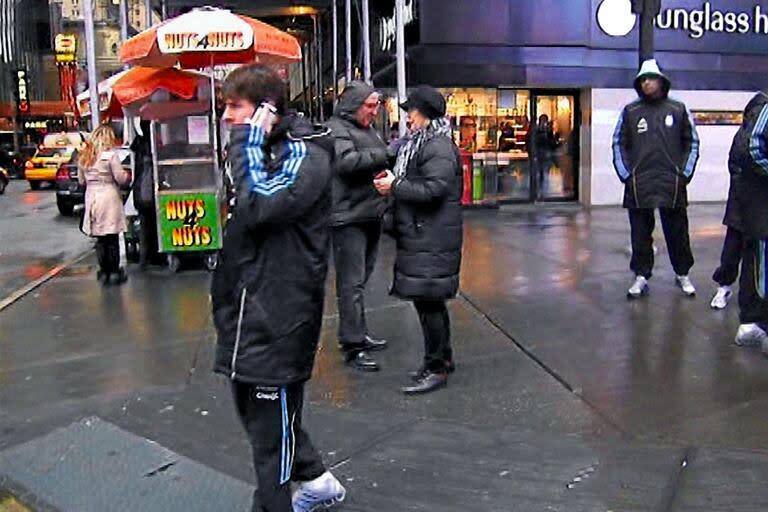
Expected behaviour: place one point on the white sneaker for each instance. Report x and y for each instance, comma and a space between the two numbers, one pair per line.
320, 494
638, 289
685, 284
751, 335
722, 297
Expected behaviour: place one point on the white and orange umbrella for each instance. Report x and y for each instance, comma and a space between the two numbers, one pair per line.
207, 37
134, 87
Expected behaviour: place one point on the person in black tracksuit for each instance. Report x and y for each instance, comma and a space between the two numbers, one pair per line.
267, 292
656, 149
730, 258
143, 188
426, 185
360, 154
750, 153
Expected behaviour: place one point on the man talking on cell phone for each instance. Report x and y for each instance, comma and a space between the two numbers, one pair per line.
268, 290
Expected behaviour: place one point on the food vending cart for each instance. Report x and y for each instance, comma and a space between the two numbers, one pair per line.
188, 180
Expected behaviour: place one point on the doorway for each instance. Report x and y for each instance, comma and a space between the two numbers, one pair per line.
553, 146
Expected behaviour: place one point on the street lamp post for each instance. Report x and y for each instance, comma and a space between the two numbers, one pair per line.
648, 10
148, 12
90, 57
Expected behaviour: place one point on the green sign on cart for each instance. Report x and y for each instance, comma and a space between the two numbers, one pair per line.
189, 222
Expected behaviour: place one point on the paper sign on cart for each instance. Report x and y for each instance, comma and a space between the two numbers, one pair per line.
198, 130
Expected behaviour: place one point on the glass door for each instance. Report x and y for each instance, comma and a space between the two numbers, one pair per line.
553, 147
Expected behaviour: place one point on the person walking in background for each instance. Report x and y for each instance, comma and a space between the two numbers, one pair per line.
426, 186
750, 153
144, 192
733, 246
100, 170
655, 151
268, 290
360, 154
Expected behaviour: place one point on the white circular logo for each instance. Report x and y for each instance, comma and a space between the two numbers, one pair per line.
615, 17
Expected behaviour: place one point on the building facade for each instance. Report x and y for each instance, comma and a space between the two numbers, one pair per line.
535, 87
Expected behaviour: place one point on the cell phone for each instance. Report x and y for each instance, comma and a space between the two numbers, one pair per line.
382, 174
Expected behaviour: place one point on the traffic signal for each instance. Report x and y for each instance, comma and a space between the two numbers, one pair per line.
652, 7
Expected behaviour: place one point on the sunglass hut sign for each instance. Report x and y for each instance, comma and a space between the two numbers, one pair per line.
615, 18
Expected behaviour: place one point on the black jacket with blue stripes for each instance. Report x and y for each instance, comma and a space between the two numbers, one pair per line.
655, 151
268, 291
749, 152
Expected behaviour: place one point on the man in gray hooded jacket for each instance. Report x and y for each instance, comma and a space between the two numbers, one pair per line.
360, 155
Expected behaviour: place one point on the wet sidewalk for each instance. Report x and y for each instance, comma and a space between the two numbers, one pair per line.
567, 397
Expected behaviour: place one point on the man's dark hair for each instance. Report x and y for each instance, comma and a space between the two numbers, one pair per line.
256, 83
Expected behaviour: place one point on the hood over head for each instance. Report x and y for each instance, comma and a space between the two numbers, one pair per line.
352, 98
650, 68
295, 126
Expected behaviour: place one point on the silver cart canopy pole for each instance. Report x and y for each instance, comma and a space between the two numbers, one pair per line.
348, 38
90, 57
335, 49
366, 42
401, 83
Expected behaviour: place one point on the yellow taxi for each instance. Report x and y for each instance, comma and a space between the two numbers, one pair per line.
57, 150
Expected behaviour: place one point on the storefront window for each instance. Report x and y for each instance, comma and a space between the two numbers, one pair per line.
517, 145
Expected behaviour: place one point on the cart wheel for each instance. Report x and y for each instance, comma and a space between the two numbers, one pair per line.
174, 263
211, 261
131, 252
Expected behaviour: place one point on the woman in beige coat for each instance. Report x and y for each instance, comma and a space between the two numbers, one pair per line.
102, 174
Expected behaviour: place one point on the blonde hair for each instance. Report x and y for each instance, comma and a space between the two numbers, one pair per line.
102, 139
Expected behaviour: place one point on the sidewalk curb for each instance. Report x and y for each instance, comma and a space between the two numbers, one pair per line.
25, 290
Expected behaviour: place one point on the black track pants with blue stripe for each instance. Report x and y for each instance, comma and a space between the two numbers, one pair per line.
282, 450
753, 286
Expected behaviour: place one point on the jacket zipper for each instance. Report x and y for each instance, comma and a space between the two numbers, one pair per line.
634, 180
239, 331
677, 187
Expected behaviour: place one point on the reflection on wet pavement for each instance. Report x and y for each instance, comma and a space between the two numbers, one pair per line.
545, 342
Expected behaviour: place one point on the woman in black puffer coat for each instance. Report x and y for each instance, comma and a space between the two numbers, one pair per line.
426, 185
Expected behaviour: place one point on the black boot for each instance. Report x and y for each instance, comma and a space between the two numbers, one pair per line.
362, 361
416, 375
428, 383
119, 277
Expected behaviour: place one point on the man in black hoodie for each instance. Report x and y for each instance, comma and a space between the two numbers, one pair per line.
655, 151
360, 155
267, 292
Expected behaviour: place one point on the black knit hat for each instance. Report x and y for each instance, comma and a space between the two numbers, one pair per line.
426, 100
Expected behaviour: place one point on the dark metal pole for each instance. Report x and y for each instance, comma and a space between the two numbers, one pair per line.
648, 10
306, 71
320, 68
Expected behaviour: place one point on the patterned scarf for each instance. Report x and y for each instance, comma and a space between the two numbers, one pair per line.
436, 127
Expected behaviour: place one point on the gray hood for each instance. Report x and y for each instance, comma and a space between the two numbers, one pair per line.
352, 99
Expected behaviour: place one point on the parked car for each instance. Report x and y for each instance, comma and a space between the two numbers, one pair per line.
4, 178
12, 161
69, 191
